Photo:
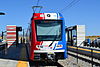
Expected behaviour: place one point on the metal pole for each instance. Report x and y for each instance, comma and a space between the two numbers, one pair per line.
23, 35
2, 34
77, 54
92, 57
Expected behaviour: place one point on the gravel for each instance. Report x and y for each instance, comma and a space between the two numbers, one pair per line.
72, 62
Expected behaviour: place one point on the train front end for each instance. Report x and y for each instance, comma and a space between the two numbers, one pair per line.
47, 37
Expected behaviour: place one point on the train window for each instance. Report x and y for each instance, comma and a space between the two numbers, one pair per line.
48, 30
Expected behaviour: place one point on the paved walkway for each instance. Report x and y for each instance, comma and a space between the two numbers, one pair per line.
14, 57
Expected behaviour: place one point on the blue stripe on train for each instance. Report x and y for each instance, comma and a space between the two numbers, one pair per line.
63, 42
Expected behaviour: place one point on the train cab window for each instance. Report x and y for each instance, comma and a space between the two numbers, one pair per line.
48, 30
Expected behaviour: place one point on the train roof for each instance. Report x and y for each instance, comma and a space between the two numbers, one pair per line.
48, 16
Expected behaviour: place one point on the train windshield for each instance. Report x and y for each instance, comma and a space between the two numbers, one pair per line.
48, 30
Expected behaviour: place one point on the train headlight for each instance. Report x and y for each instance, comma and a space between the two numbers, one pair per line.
48, 15
59, 46
39, 46
41, 15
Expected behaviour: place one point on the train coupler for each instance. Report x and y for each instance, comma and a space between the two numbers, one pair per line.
51, 56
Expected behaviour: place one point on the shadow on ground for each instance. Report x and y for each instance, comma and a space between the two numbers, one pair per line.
14, 53
20, 53
43, 64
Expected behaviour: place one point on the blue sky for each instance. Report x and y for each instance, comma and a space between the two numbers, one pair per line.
85, 12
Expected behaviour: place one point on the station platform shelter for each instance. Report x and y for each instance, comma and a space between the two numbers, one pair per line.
75, 35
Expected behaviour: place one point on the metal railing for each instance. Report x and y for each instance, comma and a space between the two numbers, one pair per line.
82, 52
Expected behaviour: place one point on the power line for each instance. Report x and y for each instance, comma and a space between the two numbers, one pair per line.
35, 7
65, 1
70, 5
37, 2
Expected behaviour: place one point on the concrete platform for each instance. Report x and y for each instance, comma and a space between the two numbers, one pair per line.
15, 56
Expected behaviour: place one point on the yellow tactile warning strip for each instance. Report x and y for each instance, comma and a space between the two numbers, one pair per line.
83, 49
22, 64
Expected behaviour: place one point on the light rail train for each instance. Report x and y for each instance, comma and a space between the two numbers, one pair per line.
46, 37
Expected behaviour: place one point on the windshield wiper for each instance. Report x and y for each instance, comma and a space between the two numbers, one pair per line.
56, 37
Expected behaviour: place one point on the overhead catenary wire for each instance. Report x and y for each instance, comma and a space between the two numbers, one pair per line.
65, 1
72, 3
37, 2
35, 7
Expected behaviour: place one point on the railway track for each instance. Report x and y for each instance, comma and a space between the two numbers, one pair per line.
87, 54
